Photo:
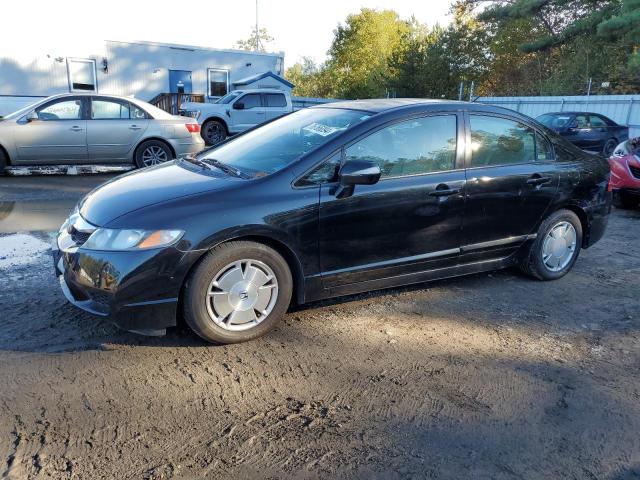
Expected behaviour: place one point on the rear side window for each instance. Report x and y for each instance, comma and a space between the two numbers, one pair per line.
498, 141
413, 147
597, 121
109, 110
275, 100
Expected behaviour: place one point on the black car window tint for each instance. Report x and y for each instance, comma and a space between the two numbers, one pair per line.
413, 147
499, 141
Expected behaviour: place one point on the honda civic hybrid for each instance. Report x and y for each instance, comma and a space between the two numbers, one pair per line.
332, 200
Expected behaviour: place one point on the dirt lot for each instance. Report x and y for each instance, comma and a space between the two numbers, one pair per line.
488, 376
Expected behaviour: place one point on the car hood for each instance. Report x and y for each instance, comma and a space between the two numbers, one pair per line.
149, 186
209, 107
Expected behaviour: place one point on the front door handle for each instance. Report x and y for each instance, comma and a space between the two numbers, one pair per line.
444, 191
76, 128
538, 180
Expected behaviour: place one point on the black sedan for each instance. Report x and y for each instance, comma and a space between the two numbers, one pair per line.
332, 200
589, 131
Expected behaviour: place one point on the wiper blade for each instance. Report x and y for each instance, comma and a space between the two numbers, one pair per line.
226, 168
195, 161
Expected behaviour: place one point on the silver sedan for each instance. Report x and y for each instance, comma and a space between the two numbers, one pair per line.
91, 128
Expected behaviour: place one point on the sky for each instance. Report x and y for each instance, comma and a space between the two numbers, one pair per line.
300, 28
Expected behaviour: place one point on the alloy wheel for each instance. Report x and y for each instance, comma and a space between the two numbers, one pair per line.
153, 155
242, 295
559, 246
214, 132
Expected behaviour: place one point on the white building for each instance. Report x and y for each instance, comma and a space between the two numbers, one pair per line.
141, 69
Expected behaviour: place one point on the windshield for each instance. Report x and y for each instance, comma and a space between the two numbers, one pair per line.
554, 120
275, 145
22, 111
228, 98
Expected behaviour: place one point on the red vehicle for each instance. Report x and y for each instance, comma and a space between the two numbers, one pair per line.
625, 173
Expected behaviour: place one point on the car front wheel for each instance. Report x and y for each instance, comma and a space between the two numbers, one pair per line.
213, 132
556, 247
238, 292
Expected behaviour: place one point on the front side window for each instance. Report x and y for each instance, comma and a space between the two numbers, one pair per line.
498, 141
275, 100
251, 100
581, 121
277, 144
218, 82
82, 75
414, 147
61, 110
109, 110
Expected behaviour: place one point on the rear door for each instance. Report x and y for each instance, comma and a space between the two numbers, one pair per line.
252, 113
275, 105
58, 135
511, 180
114, 128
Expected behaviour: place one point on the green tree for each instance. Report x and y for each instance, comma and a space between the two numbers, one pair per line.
255, 43
359, 56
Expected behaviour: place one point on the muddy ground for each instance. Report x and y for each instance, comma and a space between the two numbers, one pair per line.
488, 376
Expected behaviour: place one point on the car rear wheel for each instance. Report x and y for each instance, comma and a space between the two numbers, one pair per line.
556, 247
238, 292
609, 146
213, 132
152, 152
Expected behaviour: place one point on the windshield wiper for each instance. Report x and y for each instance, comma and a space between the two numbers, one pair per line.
226, 168
197, 162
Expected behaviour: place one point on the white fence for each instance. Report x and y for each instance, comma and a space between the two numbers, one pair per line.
623, 109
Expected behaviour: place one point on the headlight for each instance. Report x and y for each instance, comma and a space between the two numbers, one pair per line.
109, 239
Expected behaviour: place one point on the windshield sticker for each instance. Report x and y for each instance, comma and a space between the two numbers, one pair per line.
322, 130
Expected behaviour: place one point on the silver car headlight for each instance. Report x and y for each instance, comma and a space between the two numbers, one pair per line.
126, 240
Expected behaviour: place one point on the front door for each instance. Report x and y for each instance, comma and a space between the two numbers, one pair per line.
58, 135
180, 81
114, 128
252, 112
409, 221
511, 181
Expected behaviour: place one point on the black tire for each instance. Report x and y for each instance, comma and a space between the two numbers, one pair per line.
145, 149
213, 132
196, 303
4, 163
533, 264
609, 146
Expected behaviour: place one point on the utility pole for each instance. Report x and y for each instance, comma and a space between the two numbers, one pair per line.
461, 91
257, 31
471, 88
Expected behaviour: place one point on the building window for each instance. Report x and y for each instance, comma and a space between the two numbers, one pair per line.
218, 82
82, 75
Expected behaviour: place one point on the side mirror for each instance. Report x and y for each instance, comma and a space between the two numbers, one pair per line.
31, 117
238, 106
359, 172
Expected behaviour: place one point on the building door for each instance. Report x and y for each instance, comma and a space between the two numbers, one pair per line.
180, 81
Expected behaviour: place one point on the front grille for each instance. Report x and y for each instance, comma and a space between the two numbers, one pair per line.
635, 171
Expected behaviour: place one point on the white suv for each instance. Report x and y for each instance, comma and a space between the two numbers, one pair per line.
237, 111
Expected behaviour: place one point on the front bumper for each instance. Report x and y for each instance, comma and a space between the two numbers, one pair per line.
137, 290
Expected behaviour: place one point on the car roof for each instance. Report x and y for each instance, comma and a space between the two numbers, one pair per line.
574, 113
378, 105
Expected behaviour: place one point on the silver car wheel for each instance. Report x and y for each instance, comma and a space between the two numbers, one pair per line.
153, 155
559, 246
242, 294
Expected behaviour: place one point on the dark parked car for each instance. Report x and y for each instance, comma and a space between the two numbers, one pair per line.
589, 131
332, 200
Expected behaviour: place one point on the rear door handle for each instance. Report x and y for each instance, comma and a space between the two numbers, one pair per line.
134, 127
76, 128
444, 192
538, 180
